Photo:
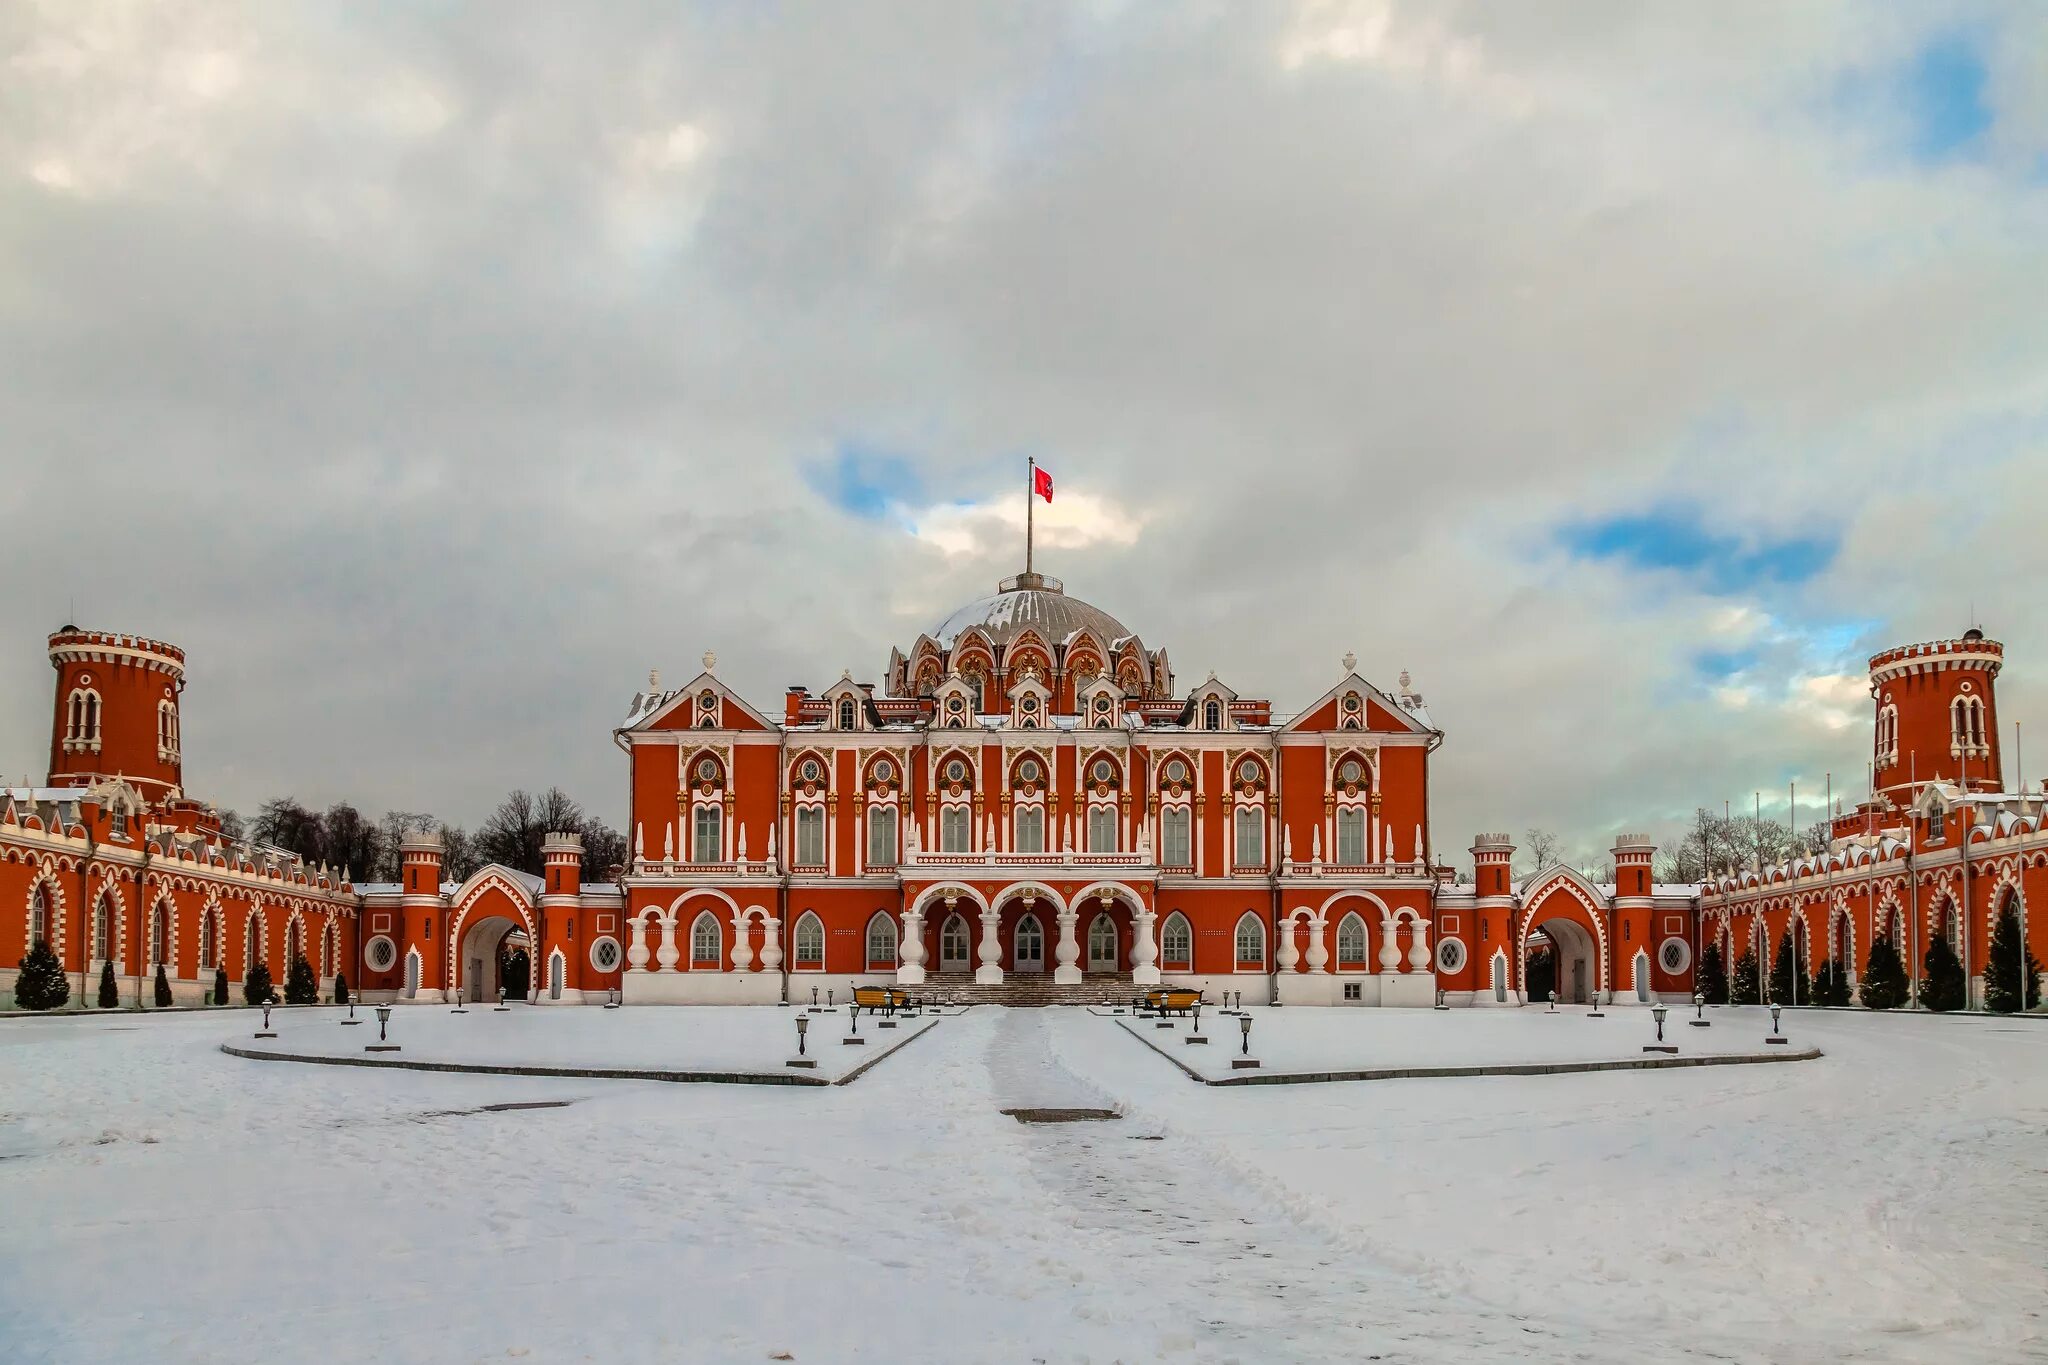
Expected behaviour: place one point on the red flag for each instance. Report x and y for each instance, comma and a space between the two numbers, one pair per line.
1041, 484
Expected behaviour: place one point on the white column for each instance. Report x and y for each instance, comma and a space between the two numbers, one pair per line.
1144, 952
1390, 951
1289, 955
1418, 945
1318, 951
1068, 954
989, 973
636, 954
742, 946
910, 950
771, 944
665, 956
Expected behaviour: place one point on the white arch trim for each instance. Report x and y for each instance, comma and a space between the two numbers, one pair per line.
1385, 913
939, 893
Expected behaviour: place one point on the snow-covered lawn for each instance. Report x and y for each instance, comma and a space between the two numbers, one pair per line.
742, 1038
1312, 1040
166, 1202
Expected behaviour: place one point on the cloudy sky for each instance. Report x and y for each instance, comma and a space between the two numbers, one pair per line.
432, 371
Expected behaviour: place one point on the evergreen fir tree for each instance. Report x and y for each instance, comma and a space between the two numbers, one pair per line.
110, 994
1942, 988
2003, 970
220, 985
257, 988
1831, 984
301, 987
1785, 975
1713, 976
341, 988
163, 988
1743, 991
39, 981
1884, 977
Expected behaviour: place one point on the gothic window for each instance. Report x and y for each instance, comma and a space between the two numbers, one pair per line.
209, 939
1173, 837
83, 718
881, 944
1102, 944
881, 836
706, 843
1102, 829
103, 929
705, 942
953, 943
810, 836
1030, 830
253, 949
294, 943
1212, 715
159, 932
1351, 942
956, 829
1176, 943
810, 942
1030, 944
1251, 837
1351, 836
846, 713
38, 915
1251, 940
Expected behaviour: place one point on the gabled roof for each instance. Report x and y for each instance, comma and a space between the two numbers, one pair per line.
1373, 696
1557, 873
655, 709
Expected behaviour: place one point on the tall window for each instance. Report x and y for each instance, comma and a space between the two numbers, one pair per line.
1251, 837
1173, 837
810, 836
209, 938
159, 932
846, 714
1351, 836
1176, 943
955, 829
881, 943
103, 929
881, 836
953, 943
1102, 829
38, 915
1101, 944
1031, 830
253, 949
705, 941
1212, 715
294, 943
705, 842
1030, 944
82, 722
1251, 941
810, 942
1351, 941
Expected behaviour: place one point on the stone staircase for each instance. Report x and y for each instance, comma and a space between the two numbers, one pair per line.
1025, 991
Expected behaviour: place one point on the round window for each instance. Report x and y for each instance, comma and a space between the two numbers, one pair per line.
1176, 771
1030, 703
1450, 955
1104, 770
707, 699
379, 953
604, 954
1102, 703
883, 770
1351, 701
811, 770
1027, 771
1675, 955
956, 771
1351, 771
955, 705
1248, 771
707, 770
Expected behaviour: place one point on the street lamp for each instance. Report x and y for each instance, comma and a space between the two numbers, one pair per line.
853, 1020
1198, 1014
803, 1026
1777, 1034
266, 1014
383, 1018
814, 997
1657, 1012
1699, 1010
613, 1002
1244, 1028
351, 1010
1553, 1004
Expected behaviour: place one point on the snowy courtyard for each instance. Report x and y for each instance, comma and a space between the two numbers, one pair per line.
1888, 1202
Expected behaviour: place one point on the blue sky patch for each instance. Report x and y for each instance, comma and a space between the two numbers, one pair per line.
1944, 90
865, 481
1676, 539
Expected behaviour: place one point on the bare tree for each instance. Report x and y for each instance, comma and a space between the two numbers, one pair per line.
459, 856
284, 823
348, 840
231, 828
1541, 846
392, 831
603, 849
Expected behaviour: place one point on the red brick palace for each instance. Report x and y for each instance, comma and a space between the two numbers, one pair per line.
1026, 807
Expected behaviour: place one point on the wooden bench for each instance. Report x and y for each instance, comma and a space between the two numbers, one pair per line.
1169, 1000
881, 999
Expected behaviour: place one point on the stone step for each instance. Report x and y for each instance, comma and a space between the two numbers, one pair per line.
1025, 991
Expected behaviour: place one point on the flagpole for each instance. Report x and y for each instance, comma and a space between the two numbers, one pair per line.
1030, 496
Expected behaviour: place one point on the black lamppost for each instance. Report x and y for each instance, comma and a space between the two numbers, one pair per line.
1553, 1004
352, 1010
383, 1018
803, 1026
1777, 1034
266, 1014
814, 997
613, 1002
853, 1020
1244, 1028
1657, 1012
1198, 1016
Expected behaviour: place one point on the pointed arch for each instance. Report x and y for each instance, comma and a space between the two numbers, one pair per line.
880, 939
1249, 942
707, 943
956, 944
808, 943
1176, 944
1354, 947
1104, 953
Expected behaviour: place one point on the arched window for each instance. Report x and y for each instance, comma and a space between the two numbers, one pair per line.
557, 966
103, 929
159, 932
881, 944
846, 713
209, 938
1102, 829
706, 843
706, 942
294, 943
955, 945
39, 915
1030, 830
1176, 943
412, 973
1351, 943
252, 948
1351, 836
1102, 944
810, 836
1176, 848
1251, 941
810, 943
1251, 837
881, 836
1030, 945
1212, 715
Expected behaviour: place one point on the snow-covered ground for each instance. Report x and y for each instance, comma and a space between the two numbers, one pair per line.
743, 1038
1313, 1040
166, 1202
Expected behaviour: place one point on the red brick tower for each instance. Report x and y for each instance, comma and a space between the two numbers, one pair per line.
116, 712
1937, 717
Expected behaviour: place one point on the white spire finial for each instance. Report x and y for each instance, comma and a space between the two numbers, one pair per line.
1350, 662
1407, 683
710, 659
654, 680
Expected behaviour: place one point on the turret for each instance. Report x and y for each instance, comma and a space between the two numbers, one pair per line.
116, 712
420, 856
1632, 854
561, 856
1937, 717
1491, 856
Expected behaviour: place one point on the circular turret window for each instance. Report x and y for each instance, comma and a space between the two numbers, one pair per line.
1248, 771
1105, 771
1351, 771
707, 770
1027, 771
956, 771
811, 770
883, 770
1176, 771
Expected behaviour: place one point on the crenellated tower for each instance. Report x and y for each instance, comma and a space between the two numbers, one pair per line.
116, 712
1937, 716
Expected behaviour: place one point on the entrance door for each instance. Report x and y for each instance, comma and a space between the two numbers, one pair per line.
1578, 981
955, 945
476, 980
1102, 944
1030, 954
